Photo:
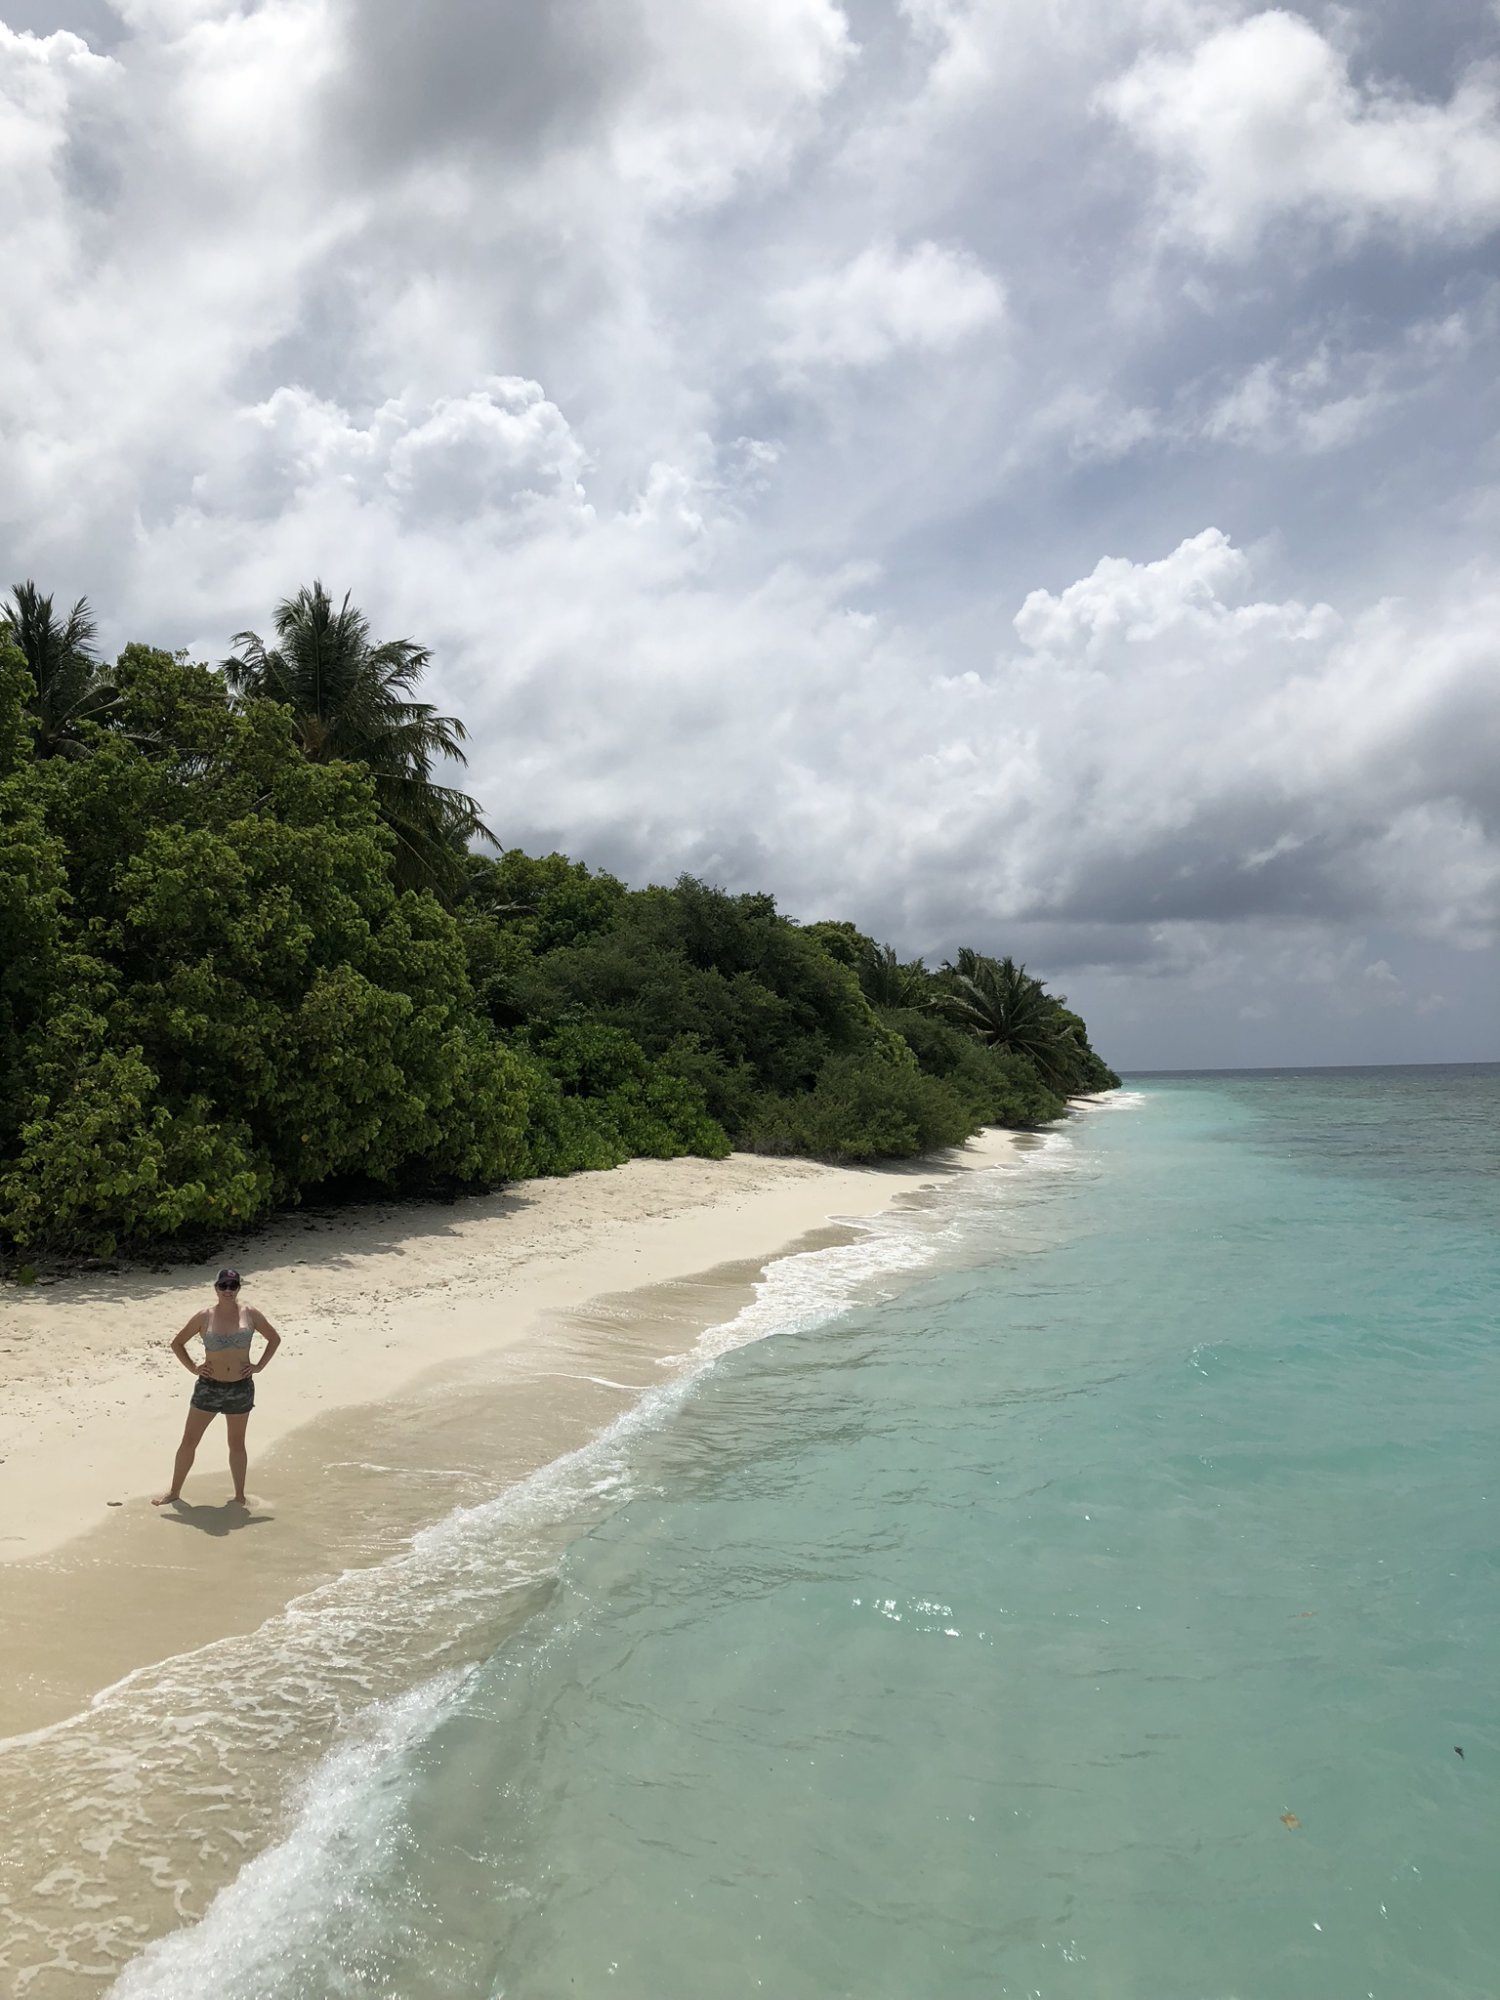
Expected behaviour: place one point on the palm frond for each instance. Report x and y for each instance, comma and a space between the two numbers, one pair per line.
70, 685
1002, 1005
351, 701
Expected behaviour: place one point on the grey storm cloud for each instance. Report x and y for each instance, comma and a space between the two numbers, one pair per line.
476, 77
1013, 477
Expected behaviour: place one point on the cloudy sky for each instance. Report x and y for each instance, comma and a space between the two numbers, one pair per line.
1012, 472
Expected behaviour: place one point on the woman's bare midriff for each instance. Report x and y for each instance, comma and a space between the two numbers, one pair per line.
228, 1364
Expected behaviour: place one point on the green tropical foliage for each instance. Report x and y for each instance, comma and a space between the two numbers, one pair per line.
252, 1005
33, 886
351, 702
996, 1086
885, 979
1001, 1005
68, 686
859, 1108
244, 955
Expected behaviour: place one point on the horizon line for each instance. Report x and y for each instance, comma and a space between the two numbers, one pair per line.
1276, 1069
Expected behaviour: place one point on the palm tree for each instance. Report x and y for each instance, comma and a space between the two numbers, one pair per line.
999, 1002
890, 981
71, 686
351, 702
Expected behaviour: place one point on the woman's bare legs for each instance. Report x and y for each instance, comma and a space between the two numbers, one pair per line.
237, 1455
197, 1423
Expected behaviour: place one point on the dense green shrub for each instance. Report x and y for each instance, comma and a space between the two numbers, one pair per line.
265, 1011
999, 1087
104, 1161
601, 1100
33, 891
216, 994
861, 1108
721, 987
545, 901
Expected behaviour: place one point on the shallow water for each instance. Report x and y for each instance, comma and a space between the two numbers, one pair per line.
1098, 1615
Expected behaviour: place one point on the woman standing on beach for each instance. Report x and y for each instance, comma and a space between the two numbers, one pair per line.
226, 1385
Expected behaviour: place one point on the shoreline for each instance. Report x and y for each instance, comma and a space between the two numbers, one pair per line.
431, 1355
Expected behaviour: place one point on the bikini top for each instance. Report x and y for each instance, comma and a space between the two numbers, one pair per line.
215, 1343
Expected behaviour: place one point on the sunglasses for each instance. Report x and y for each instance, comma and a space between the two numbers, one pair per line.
232, 1286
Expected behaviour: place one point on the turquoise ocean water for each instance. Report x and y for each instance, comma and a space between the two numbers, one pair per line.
975, 1634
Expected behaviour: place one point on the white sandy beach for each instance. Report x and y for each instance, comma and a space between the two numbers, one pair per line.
372, 1304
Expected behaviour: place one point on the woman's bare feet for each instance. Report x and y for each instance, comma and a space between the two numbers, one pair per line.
165, 1499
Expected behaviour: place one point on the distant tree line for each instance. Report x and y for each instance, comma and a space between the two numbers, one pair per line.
249, 949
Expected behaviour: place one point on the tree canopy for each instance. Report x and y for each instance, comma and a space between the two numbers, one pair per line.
68, 686
351, 702
245, 955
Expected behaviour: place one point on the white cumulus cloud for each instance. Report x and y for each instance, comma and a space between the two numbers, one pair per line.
883, 301
1261, 118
